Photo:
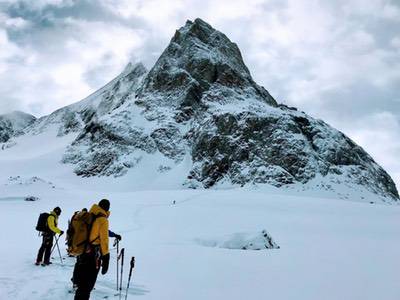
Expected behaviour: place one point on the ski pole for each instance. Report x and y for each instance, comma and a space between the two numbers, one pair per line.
117, 242
130, 274
54, 246
122, 270
59, 252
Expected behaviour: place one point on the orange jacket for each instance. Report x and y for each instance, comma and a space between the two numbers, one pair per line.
52, 222
99, 232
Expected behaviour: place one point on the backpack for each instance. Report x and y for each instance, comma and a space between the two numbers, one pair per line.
78, 232
42, 222
70, 232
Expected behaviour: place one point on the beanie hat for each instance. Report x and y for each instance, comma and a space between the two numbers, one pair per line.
57, 210
104, 204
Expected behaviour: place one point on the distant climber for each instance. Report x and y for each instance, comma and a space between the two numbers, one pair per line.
47, 225
96, 252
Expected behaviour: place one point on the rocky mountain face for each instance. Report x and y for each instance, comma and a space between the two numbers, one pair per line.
13, 124
200, 104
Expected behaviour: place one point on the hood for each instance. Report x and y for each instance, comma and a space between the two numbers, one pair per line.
54, 214
98, 211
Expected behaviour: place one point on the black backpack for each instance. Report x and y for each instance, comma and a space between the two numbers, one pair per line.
42, 222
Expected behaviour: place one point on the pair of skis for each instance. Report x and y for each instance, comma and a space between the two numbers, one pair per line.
120, 258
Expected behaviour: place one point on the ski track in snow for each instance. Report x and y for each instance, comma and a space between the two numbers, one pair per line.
139, 210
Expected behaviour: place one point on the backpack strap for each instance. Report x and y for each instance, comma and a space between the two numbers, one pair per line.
47, 223
89, 243
92, 241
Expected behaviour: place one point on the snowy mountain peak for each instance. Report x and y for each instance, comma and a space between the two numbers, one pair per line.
12, 124
199, 120
19, 119
136, 70
198, 64
204, 40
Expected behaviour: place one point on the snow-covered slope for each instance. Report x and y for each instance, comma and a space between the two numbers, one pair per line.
198, 117
74, 117
13, 124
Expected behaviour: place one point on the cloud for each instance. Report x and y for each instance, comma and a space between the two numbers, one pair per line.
58, 60
337, 60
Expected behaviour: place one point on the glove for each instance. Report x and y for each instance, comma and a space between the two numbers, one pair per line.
105, 261
118, 237
61, 233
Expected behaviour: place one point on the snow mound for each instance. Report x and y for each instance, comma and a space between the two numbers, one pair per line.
18, 180
242, 241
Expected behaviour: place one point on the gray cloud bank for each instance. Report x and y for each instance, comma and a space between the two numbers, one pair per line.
336, 60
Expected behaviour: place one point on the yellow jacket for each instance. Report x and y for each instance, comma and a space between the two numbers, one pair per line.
52, 222
99, 232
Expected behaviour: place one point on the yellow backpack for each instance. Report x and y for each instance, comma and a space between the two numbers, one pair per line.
78, 232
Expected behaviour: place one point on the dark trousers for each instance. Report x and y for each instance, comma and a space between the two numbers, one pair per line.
75, 272
45, 248
85, 274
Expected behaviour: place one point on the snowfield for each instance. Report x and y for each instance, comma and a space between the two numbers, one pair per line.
329, 249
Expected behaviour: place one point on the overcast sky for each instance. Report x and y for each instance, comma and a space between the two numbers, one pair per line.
336, 60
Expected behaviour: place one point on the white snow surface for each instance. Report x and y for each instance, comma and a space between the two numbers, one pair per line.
329, 248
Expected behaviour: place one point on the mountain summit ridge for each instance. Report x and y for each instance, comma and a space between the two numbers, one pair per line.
197, 59
199, 111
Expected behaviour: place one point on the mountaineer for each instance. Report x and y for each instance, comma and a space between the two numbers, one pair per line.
79, 227
95, 253
47, 225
